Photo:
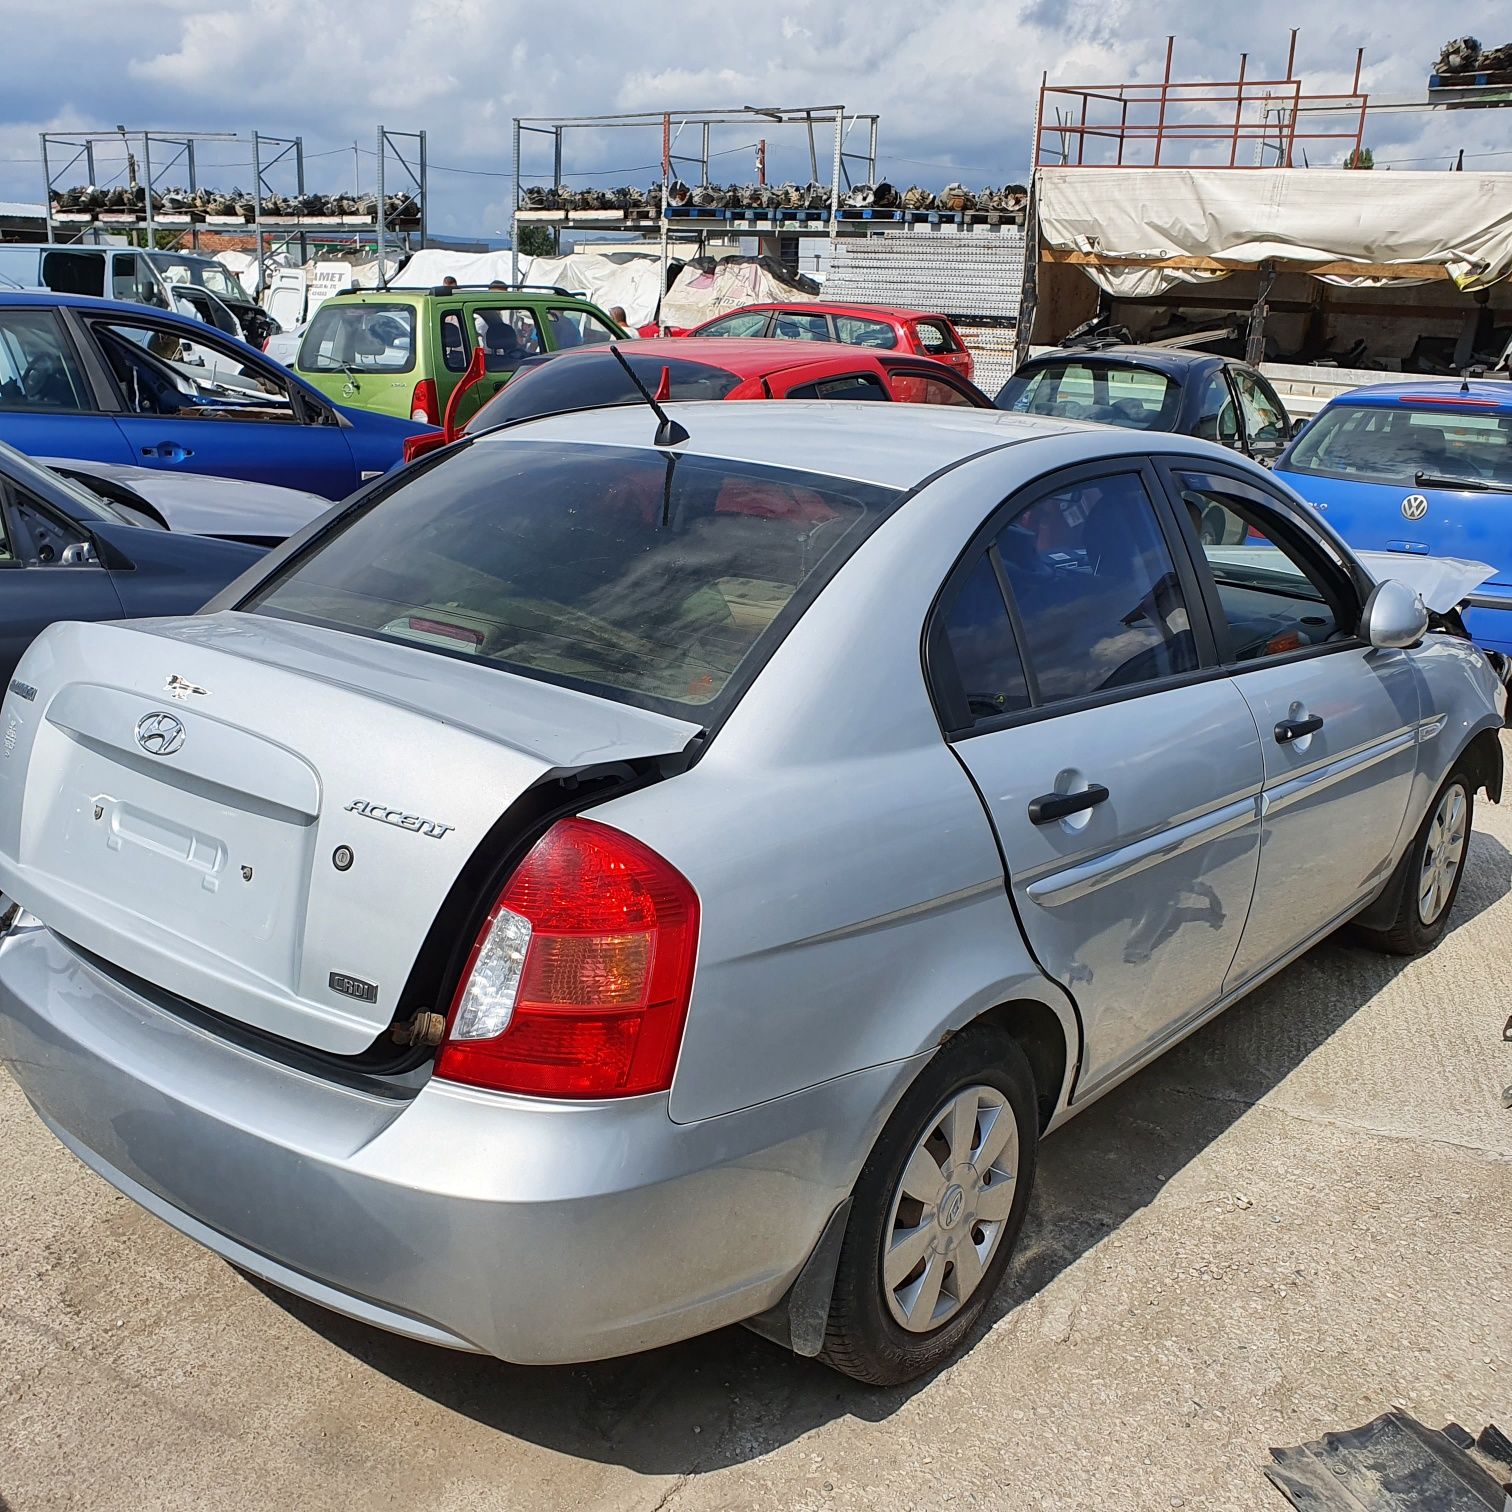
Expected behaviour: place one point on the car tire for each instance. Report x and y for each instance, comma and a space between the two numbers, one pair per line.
1427, 878
977, 1089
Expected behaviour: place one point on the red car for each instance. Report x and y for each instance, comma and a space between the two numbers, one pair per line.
879, 327
682, 368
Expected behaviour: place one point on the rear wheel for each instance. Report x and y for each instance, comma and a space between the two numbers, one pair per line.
937, 1211
1427, 879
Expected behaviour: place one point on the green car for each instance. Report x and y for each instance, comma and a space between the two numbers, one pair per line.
402, 351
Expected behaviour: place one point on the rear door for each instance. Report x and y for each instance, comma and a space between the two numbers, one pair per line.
507, 334
175, 418
49, 406
1338, 720
1120, 768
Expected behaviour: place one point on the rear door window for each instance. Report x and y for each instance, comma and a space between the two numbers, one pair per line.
1217, 415
848, 386
359, 338
507, 335
654, 579
983, 648
38, 369
855, 330
792, 325
741, 323
1264, 419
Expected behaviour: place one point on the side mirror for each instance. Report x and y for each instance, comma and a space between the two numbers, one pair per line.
1394, 616
1297, 427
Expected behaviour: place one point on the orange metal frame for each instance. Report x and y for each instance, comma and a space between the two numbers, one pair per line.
1190, 119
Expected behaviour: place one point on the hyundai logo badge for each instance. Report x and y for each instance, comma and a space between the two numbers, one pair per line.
159, 733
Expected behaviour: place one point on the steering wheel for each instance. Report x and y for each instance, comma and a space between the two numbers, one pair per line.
47, 366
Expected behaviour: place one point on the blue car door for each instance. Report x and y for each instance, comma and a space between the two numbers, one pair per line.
47, 573
188, 416
48, 406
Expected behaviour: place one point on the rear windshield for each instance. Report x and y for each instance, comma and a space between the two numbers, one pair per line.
364, 338
553, 385
1133, 397
1404, 445
646, 577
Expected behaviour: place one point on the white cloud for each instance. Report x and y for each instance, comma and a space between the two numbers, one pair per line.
953, 80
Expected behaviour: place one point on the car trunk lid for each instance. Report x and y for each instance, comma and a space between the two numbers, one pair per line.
265, 817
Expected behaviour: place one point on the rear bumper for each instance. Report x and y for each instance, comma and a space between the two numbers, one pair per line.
538, 1232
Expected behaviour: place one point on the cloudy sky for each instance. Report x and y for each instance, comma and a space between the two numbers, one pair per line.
953, 80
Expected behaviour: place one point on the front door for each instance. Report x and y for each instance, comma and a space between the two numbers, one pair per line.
1119, 769
187, 416
1337, 719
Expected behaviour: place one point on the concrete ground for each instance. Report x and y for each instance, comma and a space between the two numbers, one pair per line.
1297, 1218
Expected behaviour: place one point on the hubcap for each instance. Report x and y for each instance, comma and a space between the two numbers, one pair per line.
949, 1210
1442, 855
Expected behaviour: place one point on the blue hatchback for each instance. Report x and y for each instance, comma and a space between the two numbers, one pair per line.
107, 381
1424, 468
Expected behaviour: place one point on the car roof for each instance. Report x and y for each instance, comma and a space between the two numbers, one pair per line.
1494, 395
836, 307
1172, 360
46, 297
752, 356
896, 445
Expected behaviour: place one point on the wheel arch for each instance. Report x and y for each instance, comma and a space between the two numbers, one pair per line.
1050, 1040
1483, 762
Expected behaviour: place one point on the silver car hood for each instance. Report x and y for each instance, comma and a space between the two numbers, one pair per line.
179, 798
199, 505
1441, 582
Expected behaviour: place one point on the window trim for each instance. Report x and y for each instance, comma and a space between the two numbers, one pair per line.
984, 538
860, 375
1294, 526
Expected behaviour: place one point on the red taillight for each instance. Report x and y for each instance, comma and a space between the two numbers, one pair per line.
424, 405
418, 446
578, 982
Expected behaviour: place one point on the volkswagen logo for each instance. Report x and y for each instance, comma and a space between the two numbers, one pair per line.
1414, 507
159, 734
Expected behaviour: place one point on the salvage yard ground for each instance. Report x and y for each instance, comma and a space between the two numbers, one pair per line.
1297, 1218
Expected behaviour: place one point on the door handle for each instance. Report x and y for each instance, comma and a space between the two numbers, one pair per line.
169, 451
1288, 730
1049, 807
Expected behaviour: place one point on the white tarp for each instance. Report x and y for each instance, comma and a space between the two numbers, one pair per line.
700, 295
1459, 221
630, 279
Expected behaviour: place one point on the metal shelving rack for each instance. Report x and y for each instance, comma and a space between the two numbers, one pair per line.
692, 165
153, 154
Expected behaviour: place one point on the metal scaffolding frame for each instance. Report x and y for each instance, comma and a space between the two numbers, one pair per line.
696, 158
151, 154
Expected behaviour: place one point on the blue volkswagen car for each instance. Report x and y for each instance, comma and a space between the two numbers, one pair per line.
130, 384
1422, 467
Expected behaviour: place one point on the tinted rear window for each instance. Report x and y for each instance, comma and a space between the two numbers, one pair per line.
367, 338
1133, 397
1396, 444
647, 577
554, 385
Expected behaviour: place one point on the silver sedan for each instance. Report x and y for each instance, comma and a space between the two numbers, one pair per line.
605, 884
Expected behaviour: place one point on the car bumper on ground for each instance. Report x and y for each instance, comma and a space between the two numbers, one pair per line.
536, 1231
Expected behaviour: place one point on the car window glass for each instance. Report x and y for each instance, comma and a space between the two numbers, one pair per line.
509, 336
345, 336
577, 328
934, 337
455, 347
40, 537
5, 546
161, 373
855, 331
1264, 422
793, 326
921, 388
1132, 397
74, 272
1096, 589
37, 367
1274, 599
1217, 419
131, 279
742, 323
850, 386
1396, 444
598, 567
980, 636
